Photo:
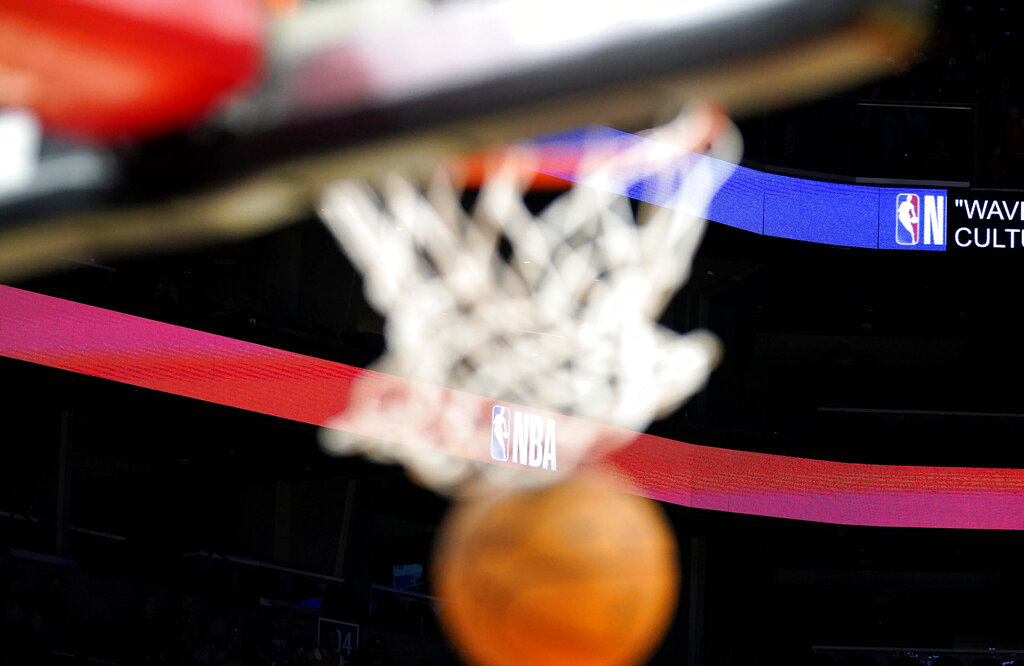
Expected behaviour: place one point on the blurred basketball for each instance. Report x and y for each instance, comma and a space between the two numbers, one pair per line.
576, 573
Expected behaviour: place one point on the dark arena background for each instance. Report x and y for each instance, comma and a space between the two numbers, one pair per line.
139, 524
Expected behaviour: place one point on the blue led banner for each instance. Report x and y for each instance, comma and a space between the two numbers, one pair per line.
891, 218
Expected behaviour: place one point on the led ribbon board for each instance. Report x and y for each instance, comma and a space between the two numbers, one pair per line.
149, 354
892, 218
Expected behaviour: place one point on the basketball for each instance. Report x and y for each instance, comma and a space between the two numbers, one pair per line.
576, 573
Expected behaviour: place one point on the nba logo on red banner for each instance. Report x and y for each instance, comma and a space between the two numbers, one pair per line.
501, 425
522, 438
908, 219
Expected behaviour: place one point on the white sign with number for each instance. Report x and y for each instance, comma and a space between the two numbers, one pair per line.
343, 637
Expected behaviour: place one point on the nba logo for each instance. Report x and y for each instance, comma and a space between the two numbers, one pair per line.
501, 425
908, 219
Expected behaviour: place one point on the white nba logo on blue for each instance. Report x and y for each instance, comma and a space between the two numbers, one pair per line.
501, 425
908, 219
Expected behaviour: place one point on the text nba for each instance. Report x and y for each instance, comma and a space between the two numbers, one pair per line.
522, 438
920, 218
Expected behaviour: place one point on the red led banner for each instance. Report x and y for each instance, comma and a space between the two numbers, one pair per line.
141, 352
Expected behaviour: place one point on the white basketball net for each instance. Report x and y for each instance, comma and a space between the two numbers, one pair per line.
555, 311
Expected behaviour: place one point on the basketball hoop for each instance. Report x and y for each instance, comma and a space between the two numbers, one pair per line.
554, 311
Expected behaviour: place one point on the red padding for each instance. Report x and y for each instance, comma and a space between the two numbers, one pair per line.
114, 69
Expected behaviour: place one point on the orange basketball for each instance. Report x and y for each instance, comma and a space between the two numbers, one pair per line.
576, 573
